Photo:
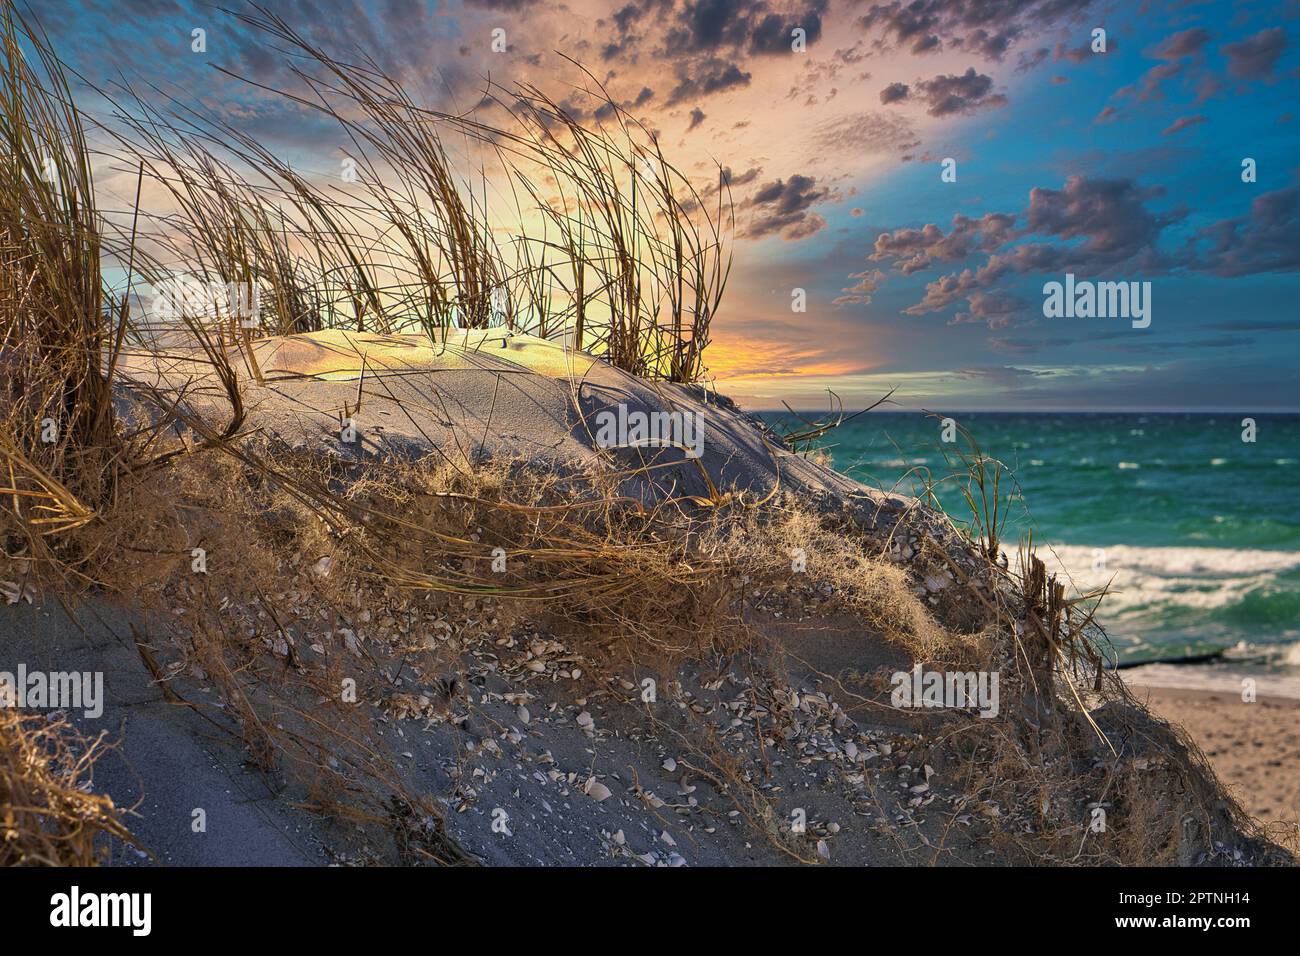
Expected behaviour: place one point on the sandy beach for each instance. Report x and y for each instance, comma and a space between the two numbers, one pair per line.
1254, 748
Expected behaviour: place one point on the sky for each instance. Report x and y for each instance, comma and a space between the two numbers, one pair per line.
913, 173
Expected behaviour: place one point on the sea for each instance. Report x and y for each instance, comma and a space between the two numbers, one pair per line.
1195, 530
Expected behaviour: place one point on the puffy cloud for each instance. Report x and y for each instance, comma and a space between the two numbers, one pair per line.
1254, 57
706, 78
997, 310
1183, 43
1267, 239
784, 207
913, 250
710, 25
894, 93
1109, 214
950, 94
1099, 224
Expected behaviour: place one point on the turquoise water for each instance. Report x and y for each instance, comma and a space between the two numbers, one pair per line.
1196, 531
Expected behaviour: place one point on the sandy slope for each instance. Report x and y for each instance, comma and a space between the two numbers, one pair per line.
167, 761
479, 393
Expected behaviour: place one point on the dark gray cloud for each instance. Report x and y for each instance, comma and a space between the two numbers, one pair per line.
705, 78
741, 25
1030, 59
950, 94
733, 179
785, 207
894, 93
1110, 215
984, 28
1098, 225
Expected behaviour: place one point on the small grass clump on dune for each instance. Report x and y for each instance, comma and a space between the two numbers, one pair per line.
49, 816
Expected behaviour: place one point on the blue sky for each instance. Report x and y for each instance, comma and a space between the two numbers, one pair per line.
1122, 165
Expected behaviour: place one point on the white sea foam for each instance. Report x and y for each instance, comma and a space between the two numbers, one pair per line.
1145, 580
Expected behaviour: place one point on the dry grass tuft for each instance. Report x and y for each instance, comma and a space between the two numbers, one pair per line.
49, 815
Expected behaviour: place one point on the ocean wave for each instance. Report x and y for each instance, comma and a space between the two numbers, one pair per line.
1150, 583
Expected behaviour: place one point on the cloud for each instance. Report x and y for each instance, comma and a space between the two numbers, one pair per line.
1267, 239
710, 76
1254, 57
1177, 51
784, 207
997, 310
697, 117
1020, 346
1109, 214
733, 179
894, 93
950, 94
1076, 54
913, 250
1183, 43
860, 292
1004, 376
713, 25
866, 133
1182, 123
984, 28
1099, 224
1030, 59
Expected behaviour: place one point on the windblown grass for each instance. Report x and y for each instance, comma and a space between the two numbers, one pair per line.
57, 438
